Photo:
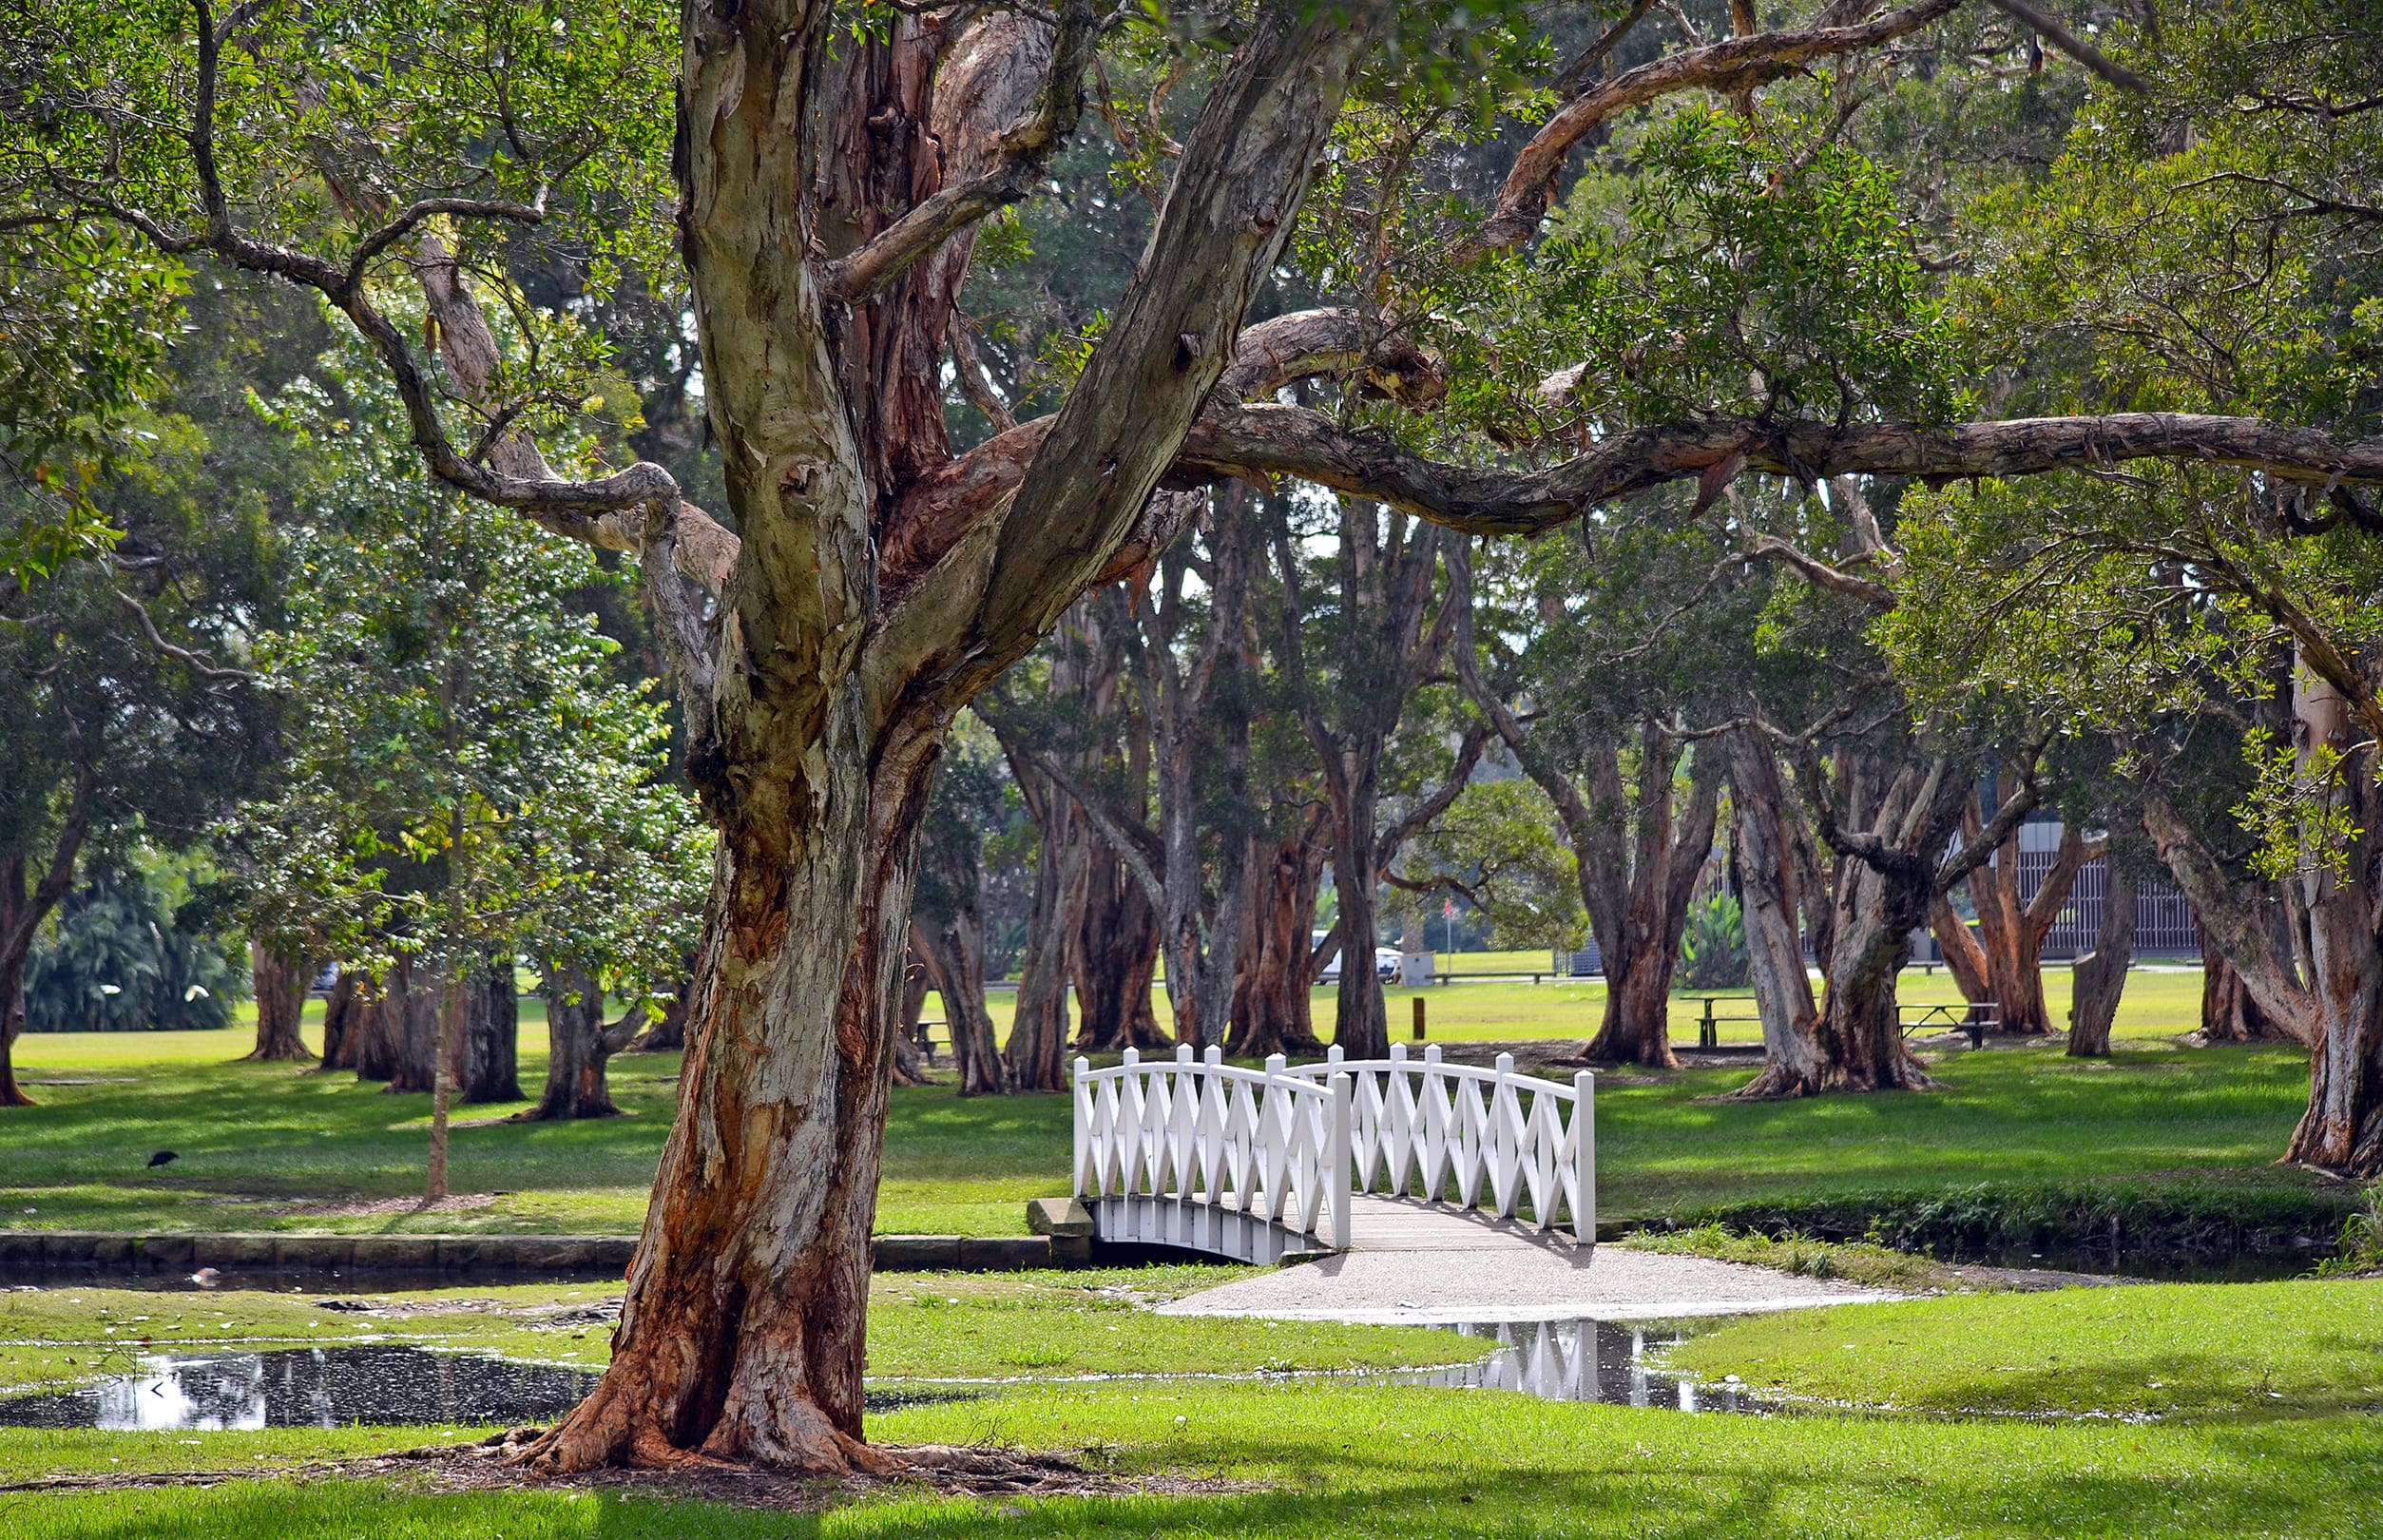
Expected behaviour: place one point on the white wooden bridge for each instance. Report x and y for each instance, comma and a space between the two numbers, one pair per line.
1253, 1163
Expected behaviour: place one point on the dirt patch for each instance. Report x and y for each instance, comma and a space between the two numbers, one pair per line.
457, 1202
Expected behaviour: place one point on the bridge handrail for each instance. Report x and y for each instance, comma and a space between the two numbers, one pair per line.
1409, 1133
1296, 1141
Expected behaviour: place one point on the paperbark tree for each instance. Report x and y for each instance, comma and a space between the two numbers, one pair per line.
2002, 963
489, 1054
580, 1043
1776, 883
278, 981
2100, 976
874, 584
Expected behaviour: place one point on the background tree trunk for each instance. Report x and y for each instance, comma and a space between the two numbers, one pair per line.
2342, 1131
580, 1046
1640, 944
1860, 1039
2229, 1012
910, 1065
398, 1039
342, 1023
1771, 897
280, 982
2100, 976
955, 956
669, 1030
1116, 958
1037, 1052
491, 1051
1271, 1012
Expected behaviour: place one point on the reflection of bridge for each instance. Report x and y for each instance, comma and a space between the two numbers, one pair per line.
1252, 1164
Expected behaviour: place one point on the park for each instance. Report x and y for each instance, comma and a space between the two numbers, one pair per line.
916, 767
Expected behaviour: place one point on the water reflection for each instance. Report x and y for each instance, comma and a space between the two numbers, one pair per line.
308, 1388
1586, 1360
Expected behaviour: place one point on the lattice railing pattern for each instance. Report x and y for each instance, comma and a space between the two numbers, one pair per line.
1473, 1138
1290, 1145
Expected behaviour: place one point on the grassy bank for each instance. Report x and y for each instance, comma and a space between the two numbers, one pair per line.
2023, 1147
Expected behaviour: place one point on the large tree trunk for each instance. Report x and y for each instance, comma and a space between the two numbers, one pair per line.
580, 1044
742, 1331
955, 955
1860, 1043
2100, 976
1964, 956
2342, 1131
489, 1055
1272, 1012
343, 1022
279, 983
1117, 961
1771, 897
1638, 936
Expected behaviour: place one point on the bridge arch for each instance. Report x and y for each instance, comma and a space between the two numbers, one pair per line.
1252, 1164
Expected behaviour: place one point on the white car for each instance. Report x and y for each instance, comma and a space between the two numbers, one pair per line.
1385, 962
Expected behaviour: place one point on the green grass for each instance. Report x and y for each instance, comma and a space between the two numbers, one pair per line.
2201, 1351
1362, 1462
270, 1148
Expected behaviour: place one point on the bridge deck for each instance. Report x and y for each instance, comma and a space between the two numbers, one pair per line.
1417, 1264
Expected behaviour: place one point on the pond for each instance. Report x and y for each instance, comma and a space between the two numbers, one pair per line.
390, 1386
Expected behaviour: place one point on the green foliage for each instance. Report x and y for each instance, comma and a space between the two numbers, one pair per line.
119, 956
2360, 1248
1713, 951
468, 778
1716, 275
85, 318
1498, 845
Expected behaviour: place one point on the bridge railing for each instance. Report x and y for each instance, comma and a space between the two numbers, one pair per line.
1290, 1145
1257, 1141
1469, 1137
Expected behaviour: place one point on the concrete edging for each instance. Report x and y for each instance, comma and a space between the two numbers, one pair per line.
30, 1255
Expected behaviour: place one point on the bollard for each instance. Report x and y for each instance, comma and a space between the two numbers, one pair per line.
1585, 1158
1418, 1018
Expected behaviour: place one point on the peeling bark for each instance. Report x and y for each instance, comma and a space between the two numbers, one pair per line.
1772, 894
343, 1022
488, 1061
1272, 1010
2100, 976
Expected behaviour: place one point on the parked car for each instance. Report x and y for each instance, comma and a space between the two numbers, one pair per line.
1385, 962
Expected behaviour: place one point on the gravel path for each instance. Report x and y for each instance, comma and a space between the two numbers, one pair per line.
1414, 1265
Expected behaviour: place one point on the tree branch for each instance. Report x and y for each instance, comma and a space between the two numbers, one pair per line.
196, 663
1739, 64
1820, 574
2075, 46
1025, 148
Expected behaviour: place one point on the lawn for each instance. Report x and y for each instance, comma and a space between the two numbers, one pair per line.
2301, 1456
270, 1148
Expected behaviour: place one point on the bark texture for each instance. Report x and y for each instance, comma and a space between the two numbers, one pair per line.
742, 1330
1772, 894
1271, 1009
343, 1022
2100, 976
25, 903
279, 983
580, 1044
490, 1054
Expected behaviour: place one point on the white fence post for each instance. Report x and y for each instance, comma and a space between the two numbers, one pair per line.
1337, 1184
1078, 1091
1585, 1158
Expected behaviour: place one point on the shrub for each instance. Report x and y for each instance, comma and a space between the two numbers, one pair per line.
116, 959
1713, 952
